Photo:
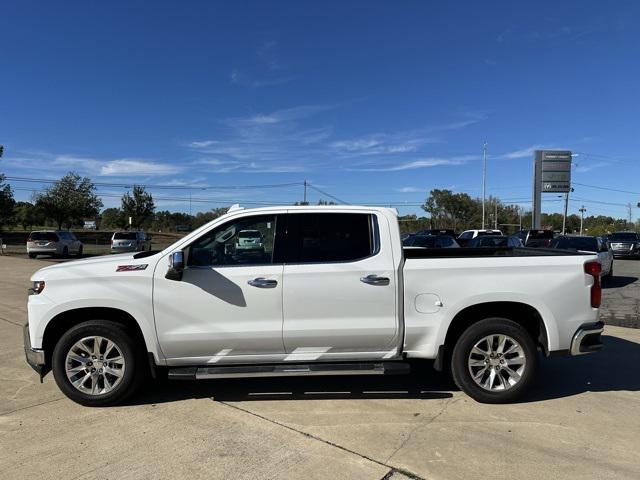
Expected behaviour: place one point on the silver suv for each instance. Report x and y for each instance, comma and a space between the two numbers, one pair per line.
128, 241
53, 243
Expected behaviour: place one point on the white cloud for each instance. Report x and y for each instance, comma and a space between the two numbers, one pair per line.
124, 167
583, 168
411, 190
240, 78
416, 164
522, 153
202, 143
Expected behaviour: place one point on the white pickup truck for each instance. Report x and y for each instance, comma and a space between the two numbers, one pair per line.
332, 291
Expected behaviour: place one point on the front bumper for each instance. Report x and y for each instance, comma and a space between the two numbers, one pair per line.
587, 338
35, 356
123, 249
626, 253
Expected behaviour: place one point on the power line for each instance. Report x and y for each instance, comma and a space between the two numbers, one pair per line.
327, 194
167, 187
606, 188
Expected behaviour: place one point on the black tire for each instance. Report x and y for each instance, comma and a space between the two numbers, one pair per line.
80, 251
134, 360
65, 252
474, 334
32, 255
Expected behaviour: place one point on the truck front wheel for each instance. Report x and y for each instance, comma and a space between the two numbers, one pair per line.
494, 361
97, 364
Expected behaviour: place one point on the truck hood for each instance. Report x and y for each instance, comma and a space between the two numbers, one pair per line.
91, 265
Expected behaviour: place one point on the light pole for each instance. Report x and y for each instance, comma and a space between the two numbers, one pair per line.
582, 210
484, 178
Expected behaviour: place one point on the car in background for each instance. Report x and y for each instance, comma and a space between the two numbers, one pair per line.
128, 241
588, 244
624, 244
430, 241
466, 236
54, 243
535, 238
250, 240
436, 231
495, 241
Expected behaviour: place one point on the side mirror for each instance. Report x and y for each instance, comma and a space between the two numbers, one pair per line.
176, 266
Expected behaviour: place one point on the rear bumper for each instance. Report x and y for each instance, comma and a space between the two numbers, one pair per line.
35, 356
587, 338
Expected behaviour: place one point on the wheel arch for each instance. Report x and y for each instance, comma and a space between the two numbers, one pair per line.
62, 322
522, 313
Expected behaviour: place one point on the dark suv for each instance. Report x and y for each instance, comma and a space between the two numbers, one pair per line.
624, 244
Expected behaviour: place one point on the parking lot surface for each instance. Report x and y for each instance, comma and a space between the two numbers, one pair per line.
581, 421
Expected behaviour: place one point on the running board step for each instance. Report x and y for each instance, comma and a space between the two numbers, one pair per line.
241, 371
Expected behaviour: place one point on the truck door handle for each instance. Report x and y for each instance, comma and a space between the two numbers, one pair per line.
375, 280
261, 282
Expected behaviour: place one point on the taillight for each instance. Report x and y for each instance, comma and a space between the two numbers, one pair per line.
594, 269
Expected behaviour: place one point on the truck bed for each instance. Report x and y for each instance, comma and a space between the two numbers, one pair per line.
417, 252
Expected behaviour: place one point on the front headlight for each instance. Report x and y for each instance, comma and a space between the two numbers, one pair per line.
37, 288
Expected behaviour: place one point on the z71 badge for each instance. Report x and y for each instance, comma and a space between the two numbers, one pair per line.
131, 268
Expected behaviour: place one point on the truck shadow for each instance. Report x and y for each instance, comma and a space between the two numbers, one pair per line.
618, 282
615, 368
422, 383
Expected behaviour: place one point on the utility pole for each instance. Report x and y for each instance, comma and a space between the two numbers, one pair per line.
520, 215
304, 201
495, 216
564, 217
582, 210
629, 213
484, 178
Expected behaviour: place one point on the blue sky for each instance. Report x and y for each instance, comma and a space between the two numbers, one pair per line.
372, 102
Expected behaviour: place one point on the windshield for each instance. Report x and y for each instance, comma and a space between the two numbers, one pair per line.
623, 237
589, 244
43, 236
492, 241
485, 234
249, 234
125, 236
541, 234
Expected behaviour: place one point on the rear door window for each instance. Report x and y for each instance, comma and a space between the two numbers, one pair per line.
329, 237
43, 237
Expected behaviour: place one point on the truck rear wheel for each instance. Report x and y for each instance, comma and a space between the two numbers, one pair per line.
494, 361
97, 364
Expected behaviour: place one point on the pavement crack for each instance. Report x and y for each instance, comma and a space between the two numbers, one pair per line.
388, 475
421, 425
12, 323
31, 406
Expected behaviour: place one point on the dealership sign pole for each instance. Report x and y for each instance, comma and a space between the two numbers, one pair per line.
551, 174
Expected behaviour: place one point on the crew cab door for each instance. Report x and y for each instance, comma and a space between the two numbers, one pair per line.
339, 294
229, 301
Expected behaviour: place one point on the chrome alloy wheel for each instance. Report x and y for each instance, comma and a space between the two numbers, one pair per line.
94, 365
497, 362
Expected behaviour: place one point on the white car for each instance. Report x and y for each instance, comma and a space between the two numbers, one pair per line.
54, 243
333, 293
468, 235
249, 240
588, 244
130, 241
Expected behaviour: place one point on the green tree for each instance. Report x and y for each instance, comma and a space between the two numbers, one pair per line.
69, 200
139, 206
27, 215
6, 203
112, 219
